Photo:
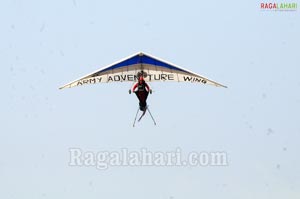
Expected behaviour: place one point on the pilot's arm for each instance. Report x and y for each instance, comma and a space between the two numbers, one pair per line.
134, 86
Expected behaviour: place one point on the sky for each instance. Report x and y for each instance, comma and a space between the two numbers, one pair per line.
255, 121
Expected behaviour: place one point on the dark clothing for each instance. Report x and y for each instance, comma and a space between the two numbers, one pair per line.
142, 94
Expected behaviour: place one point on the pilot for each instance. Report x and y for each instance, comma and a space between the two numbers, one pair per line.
141, 85
141, 89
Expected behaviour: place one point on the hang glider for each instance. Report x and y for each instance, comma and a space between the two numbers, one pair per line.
141, 64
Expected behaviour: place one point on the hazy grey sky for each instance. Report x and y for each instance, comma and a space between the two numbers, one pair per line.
45, 44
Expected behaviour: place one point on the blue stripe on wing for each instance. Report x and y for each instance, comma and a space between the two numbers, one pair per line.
142, 59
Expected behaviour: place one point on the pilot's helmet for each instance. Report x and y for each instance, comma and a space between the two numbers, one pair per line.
141, 79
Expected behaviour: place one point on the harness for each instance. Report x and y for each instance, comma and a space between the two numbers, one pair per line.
141, 87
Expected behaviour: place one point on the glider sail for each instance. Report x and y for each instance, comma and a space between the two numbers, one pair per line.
153, 69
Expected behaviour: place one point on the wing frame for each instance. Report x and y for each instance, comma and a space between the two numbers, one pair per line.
163, 64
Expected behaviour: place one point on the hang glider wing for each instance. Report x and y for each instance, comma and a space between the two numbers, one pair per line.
152, 68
